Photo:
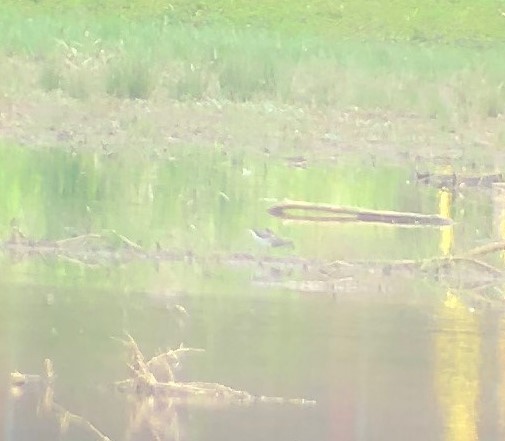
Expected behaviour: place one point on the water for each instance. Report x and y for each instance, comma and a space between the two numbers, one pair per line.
390, 356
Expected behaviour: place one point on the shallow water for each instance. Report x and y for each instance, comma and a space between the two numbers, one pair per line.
388, 356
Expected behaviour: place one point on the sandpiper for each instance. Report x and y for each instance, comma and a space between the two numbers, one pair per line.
269, 238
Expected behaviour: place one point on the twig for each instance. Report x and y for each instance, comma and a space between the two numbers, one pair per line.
67, 418
126, 241
169, 360
485, 249
76, 239
176, 390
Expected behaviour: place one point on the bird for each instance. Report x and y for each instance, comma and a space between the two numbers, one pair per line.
269, 238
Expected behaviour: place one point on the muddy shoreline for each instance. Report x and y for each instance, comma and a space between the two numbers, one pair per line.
110, 125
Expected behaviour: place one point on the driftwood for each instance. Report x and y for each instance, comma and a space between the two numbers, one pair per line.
145, 381
308, 212
154, 391
344, 277
313, 275
485, 249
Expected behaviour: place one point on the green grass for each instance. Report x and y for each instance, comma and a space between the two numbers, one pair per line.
129, 56
378, 19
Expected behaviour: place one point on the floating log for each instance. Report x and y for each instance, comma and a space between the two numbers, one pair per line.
336, 213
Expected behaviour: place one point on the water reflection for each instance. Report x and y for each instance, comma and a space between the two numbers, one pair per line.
400, 358
457, 353
457, 368
445, 210
199, 199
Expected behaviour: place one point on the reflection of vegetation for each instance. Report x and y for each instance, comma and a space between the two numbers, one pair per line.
199, 205
196, 205
180, 202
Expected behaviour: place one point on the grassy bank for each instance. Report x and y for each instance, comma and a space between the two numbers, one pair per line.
153, 50
376, 19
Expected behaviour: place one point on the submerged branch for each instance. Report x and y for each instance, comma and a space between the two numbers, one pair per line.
145, 388
114, 247
146, 382
485, 249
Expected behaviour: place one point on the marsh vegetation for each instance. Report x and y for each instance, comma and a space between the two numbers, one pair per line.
448, 82
142, 142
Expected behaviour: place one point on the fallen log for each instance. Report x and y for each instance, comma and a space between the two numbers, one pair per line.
336, 213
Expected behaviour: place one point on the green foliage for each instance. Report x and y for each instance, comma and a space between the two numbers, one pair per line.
50, 78
382, 19
130, 79
87, 55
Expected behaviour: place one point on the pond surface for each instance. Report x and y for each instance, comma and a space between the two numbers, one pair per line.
386, 354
